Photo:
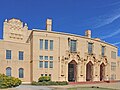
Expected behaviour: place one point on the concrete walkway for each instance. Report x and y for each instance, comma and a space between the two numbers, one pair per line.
115, 86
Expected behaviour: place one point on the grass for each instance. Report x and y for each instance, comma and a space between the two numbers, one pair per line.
89, 88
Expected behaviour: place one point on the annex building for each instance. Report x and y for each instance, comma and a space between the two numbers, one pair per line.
29, 54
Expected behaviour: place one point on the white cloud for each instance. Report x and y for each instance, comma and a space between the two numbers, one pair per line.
116, 43
111, 34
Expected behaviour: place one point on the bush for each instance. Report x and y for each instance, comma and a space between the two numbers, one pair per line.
44, 78
8, 81
44, 83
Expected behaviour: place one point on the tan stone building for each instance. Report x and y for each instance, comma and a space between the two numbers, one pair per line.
29, 54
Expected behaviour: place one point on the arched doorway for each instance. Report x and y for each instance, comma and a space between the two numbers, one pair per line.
89, 71
102, 72
72, 71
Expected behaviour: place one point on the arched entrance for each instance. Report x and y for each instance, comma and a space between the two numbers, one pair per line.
102, 72
72, 71
89, 71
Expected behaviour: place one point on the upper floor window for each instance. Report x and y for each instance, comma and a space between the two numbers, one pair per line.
41, 64
73, 45
8, 54
46, 57
113, 66
8, 71
51, 44
51, 64
51, 57
113, 54
90, 48
103, 51
46, 44
21, 72
21, 55
41, 57
41, 44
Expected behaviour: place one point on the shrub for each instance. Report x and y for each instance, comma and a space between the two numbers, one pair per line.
44, 83
8, 81
44, 78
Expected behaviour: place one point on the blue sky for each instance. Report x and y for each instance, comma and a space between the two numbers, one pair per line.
71, 16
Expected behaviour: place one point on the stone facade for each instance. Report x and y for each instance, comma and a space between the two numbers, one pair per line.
63, 56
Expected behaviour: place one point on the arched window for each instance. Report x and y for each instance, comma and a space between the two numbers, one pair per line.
21, 72
8, 71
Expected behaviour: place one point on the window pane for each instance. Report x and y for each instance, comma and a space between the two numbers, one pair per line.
42, 74
21, 54
45, 74
46, 64
41, 57
8, 71
51, 57
21, 73
46, 57
46, 44
41, 64
51, 44
41, 44
90, 49
113, 66
51, 64
8, 54
103, 51
73, 46
113, 55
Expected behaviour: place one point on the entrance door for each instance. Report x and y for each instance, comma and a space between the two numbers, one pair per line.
72, 71
102, 72
89, 71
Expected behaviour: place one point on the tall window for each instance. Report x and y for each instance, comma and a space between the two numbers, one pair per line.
21, 72
51, 44
8, 54
21, 55
113, 54
41, 64
51, 64
41, 44
90, 48
46, 44
103, 51
46, 64
113, 66
73, 45
8, 71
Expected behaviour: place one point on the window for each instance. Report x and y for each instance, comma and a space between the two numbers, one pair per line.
42, 74
51, 64
51, 44
21, 55
51, 57
21, 72
50, 75
113, 54
73, 45
46, 64
90, 48
113, 66
113, 76
45, 74
41, 44
41, 64
8, 54
8, 71
46, 44
46, 57
41, 57
103, 51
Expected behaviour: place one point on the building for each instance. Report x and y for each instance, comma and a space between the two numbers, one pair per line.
29, 54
